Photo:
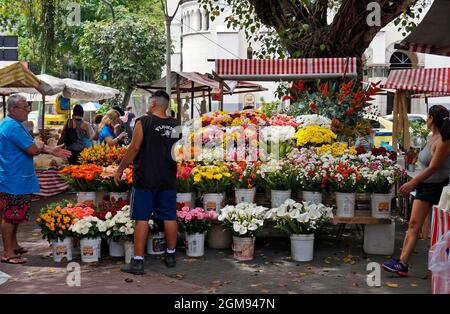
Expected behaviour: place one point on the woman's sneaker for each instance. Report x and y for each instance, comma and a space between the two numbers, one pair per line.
395, 266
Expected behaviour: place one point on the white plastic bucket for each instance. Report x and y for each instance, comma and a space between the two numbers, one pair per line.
313, 197
345, 204
379, 239
302, 247
381, 205
156, 243
195, 244
129, 251
213, 201
119, 195
62, 249
116, 249
245, 195
88, 198
279, 197
90, 249
187, 199
243, 248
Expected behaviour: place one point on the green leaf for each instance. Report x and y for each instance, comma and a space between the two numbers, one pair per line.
323, 47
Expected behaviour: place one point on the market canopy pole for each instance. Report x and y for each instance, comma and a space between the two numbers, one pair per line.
179, 108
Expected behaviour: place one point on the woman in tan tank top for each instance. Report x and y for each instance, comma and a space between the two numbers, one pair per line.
428, 184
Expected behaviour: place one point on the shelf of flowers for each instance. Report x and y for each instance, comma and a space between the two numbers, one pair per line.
93, 179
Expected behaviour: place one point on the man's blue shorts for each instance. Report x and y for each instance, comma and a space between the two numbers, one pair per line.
163, 203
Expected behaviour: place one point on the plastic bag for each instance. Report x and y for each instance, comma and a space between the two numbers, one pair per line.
439, 265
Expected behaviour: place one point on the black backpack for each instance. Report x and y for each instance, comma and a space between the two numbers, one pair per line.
69, 136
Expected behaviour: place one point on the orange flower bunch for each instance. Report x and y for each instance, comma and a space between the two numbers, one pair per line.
102, 155
55, 223
83, 177
86, 172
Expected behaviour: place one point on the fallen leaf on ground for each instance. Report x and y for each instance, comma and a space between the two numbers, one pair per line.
387, 257
180, 276
254, 285
264, 291
392, 285
216, 282
292, 292
128, 280
414, 285
355, 284
326, 260
350, 259
51, 270
301, 274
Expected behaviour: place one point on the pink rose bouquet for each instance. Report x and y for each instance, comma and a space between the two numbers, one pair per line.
196, 220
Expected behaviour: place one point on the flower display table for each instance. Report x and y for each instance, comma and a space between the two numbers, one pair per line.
362, 218
50, 182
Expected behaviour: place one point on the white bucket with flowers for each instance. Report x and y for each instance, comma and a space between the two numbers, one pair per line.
244, 220
301, 221
89, 229
195, 223
120, 230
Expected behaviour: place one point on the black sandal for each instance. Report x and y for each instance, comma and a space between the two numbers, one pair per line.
20, 250
14, 260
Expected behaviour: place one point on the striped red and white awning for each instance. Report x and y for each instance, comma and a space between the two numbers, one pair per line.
285, 69
431, 35
431, 82
50, 182
423, 48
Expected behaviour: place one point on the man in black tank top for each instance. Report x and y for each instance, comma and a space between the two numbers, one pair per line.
154, 177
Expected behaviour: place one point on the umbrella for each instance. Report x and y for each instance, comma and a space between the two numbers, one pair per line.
91, 106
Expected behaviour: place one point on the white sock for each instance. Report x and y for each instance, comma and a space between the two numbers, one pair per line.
171, 251
139, 258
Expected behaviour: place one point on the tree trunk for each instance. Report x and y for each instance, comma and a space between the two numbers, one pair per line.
127, 97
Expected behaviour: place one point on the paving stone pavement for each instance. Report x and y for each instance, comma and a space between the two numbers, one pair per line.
336, 269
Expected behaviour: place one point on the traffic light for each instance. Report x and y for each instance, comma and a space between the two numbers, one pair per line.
105, 74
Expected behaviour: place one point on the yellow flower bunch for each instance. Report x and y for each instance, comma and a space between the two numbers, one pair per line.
336, 149
102, 155
212, 178
313, 135
55, 223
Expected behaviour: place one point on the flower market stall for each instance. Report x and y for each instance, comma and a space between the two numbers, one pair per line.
239, 172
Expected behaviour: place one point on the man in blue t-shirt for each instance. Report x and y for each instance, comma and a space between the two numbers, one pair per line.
18, 179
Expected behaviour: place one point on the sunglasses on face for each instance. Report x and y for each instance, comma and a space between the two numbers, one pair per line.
27, 107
